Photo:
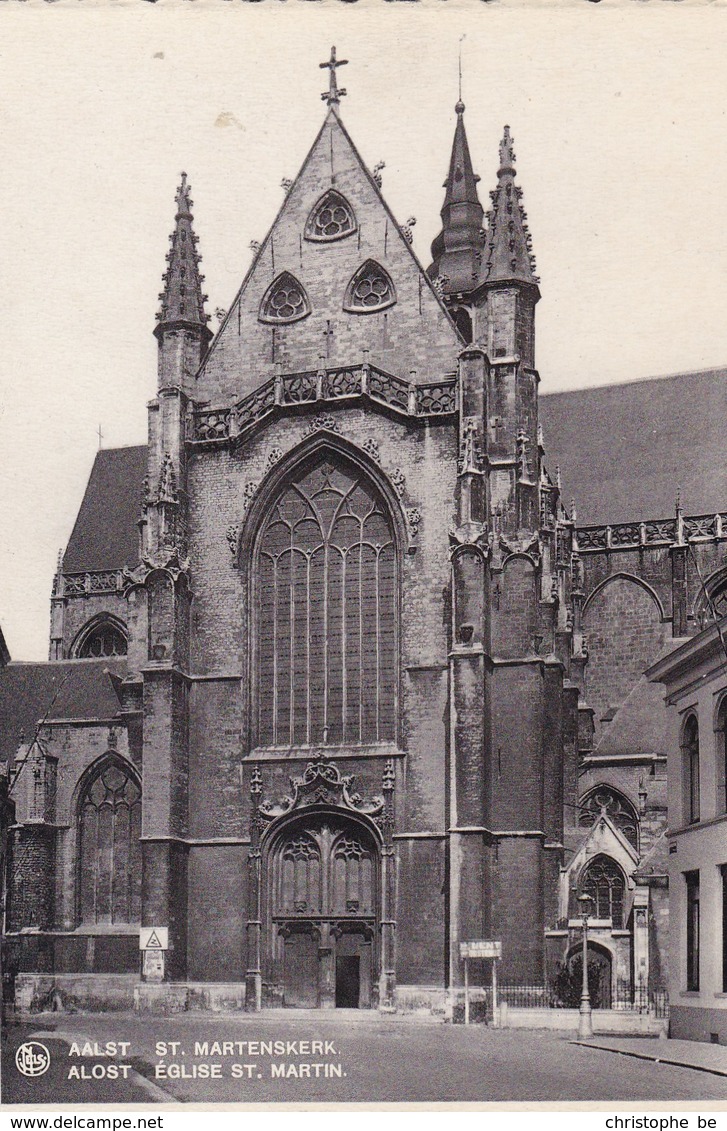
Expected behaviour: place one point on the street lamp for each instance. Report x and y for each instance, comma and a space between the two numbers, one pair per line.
585, 1021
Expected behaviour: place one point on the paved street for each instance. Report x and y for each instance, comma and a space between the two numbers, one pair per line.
380, 1059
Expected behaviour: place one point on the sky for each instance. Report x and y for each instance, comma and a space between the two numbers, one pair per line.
618, 116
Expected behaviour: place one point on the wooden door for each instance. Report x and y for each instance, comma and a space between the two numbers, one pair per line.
300, 971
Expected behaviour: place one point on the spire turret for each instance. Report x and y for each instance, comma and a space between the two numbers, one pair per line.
182, 299
509, 254
457, 250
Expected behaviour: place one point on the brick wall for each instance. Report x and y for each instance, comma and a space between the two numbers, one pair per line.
625, 632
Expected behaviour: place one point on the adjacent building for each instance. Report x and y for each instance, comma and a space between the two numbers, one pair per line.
694, 676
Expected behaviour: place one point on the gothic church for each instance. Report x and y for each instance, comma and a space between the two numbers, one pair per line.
336, 680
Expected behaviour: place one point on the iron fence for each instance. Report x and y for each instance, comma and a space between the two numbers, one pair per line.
624, 996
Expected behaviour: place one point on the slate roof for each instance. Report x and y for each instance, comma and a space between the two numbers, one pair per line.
624, 449
640, 725
105, 535
83, 689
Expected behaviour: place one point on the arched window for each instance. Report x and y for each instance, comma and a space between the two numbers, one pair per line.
103, 638
109, 848
690, 770
285, 300
332, 218
603, 880
326, 636
463, 322
370, 289
605, 799
720, 751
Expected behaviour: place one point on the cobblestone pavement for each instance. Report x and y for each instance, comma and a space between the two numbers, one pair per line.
368, 1058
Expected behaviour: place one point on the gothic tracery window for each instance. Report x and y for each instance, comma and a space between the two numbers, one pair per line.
603, 880
104, 639
109, 847
370, 289
285, 300
332, 218
326, 612
324, 871
605, 799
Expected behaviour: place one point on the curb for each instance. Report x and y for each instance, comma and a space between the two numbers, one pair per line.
654, 1059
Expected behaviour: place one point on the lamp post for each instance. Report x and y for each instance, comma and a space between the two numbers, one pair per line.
585, 1021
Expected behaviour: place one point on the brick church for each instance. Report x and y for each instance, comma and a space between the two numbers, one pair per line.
339, 677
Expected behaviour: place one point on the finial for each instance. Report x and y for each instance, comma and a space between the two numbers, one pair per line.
333, 95
507, 154
184, 204
678, 500
459, 108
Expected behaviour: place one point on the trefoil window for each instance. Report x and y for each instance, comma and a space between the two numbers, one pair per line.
332, 218
370, 289
285, 300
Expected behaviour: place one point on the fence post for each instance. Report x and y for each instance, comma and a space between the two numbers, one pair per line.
466, 991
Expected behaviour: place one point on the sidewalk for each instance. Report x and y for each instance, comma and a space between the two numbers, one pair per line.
684, 1054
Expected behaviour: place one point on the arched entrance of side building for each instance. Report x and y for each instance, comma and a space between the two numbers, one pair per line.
322, 883
600, 976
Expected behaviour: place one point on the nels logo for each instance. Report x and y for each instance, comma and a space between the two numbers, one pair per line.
32, 1059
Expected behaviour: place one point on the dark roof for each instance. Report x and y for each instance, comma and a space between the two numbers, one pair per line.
105, 535
83, 689
624, 449
640, 725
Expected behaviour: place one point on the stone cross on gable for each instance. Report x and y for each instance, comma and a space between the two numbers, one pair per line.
333, 95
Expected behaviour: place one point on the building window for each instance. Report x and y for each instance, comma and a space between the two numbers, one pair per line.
285, 300
103, 639
332, 218
326, 612
463, 322
612, 804
692, 879
603, 880
370, 290
690, 769
720, 753
109, 847
724, 928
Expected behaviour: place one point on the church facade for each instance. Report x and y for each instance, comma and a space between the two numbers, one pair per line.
336, 680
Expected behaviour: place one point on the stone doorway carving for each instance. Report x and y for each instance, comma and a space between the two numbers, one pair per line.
323, 881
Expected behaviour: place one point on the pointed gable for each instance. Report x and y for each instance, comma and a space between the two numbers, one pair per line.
332, 227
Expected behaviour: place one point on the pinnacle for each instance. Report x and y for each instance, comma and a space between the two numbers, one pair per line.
509, 244
457, 248
182, 299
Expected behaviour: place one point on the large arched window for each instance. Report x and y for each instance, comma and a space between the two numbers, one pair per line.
326, 611
103, 637
603, 880
607, 800
690, 770
109, 848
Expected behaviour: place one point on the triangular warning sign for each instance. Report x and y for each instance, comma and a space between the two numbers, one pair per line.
153, 943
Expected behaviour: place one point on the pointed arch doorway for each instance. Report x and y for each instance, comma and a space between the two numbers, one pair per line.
322, 884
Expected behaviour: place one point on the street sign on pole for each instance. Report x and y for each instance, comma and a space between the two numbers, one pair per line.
480, 948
